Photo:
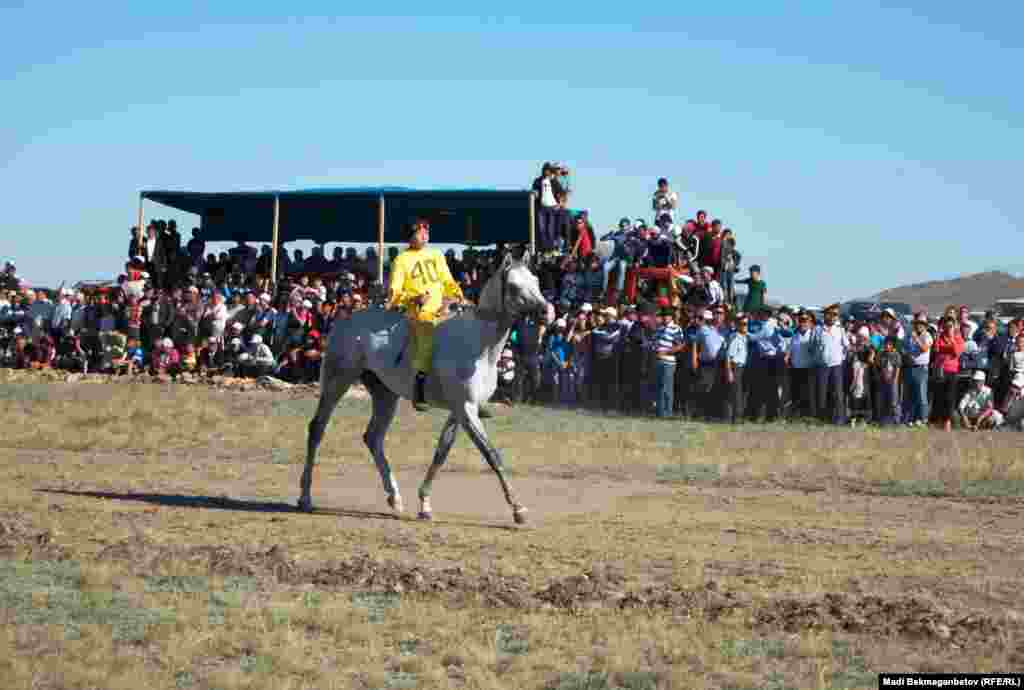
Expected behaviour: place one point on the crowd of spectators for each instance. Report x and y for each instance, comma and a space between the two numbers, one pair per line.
691, 348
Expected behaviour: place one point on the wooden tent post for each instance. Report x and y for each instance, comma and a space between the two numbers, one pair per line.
273, 255
380, 242
533, 223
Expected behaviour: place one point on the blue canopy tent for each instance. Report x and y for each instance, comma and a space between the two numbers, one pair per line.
355, 214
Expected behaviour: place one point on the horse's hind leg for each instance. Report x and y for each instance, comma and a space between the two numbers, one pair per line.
385, 404
471, 421
334, 383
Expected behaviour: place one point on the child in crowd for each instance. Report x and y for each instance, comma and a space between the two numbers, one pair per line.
757, 290
889, 366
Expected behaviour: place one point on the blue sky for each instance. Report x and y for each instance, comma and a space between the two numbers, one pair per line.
851, 147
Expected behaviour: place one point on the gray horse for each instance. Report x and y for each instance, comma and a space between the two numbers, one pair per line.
370, 347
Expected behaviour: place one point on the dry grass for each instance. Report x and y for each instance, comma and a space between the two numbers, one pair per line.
121, 593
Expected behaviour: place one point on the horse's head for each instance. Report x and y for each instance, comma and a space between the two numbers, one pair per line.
514, 291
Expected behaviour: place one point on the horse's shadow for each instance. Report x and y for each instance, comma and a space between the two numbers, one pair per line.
247, 506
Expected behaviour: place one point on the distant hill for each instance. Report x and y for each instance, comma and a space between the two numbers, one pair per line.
978, 291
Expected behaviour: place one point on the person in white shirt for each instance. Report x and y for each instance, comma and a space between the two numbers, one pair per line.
665, 201
261, 360
830, 345
802, 373
716, 294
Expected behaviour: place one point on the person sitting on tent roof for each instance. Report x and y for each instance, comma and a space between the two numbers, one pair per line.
420, 283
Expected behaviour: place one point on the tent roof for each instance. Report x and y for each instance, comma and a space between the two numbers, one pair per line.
350, 214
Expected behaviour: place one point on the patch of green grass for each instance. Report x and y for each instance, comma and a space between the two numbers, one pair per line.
28, 392
912, 487
187, 584
256, 663
64, 603
995, 488
772, 649
399, 680
600, 680
688, 473
511, 640
375, 603
854, 672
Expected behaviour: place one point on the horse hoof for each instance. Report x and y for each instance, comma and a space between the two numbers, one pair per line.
305, 505
395, 503
424, 516
519, 515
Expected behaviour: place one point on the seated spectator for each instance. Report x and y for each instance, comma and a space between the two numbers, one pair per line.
311, 357
113, 359
70, 354
976, 408
189, 359
211, 358
135, 355
45, 352
261, 359
291, 367
165, 361
1010, 409
24, 351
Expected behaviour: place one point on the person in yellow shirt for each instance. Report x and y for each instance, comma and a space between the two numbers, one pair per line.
422, 286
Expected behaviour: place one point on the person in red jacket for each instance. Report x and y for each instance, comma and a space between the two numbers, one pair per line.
946, 351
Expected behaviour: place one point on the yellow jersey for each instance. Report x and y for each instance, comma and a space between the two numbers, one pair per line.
417, 272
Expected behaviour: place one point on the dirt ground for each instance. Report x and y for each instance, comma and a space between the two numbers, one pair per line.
654, 557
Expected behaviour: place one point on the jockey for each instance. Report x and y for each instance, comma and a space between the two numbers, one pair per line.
420, 284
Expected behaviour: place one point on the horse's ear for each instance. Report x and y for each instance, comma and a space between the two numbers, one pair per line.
527, 257
508, 260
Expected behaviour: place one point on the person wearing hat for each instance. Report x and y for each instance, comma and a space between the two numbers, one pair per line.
633, 361
605, 341
734, 365
977, 407
704, 361
261, 360
766, 367
830, 346
917, 357
420, 283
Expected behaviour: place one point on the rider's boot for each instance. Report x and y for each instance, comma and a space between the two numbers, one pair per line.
420, 399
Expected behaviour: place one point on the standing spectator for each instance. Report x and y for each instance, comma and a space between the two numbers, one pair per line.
582, 237
633, 368
195, 248
945, 369
704, 360
531, 335
734, 364
155, 254
667, 341
548, 190
830, 345
136, 245
757, 290
665, 201
730, 265
766, 367
917, 358
604, 367
889, 367
966, 323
